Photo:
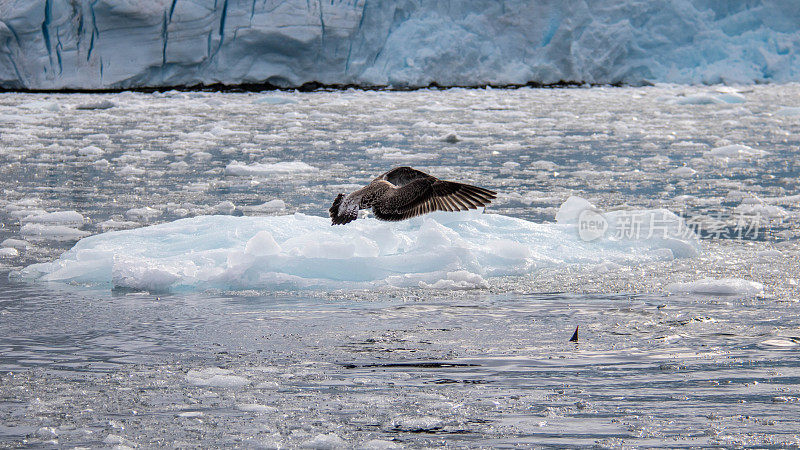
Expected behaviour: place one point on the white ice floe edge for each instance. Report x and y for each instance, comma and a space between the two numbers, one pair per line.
436, 251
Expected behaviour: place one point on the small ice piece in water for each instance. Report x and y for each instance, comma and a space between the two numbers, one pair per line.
101, 164
130, 171
379, 444
91, 150
325, 441
52, 232
735, 151
8, 252
103, 104
274, 101
114, 439
179, 166
417, 423
274, 205
215, 377
457, 280
718, 286
112, 224
257, 408
18, 244
789, 111
146, 213
683, 172
698, 99
280, 168
225, 207
56, 218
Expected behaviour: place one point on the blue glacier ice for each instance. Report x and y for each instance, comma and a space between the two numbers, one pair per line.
436, 251
54, 44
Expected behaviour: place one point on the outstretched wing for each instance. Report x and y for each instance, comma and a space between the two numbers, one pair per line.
429, 194
401, 176
339, 215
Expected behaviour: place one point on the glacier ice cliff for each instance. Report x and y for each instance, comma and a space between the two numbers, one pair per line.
96, 44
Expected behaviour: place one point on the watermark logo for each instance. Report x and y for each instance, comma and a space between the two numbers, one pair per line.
592, 225
643, 225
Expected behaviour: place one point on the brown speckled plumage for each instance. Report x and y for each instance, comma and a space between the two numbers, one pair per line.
403, 192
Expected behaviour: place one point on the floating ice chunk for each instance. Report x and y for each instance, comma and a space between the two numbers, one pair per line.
325, 441
202, 156
699, 99
112, 224
146, 213
718, 286
736, 151
731, 97
417, 423
102, 104
8, 252
274, 101
153, 154
101, 164
52, 232
284, 167
756, 209
256, 408
179, 166
379, 444
56, 218
41, 105
225, 207
18, 244
113, 439
789, 111
215, 377
407, 156
771, 253
455, 250
268, 206
91, 150
544, 165
683, 172
130, 171
779, 342
506, 147
461, 279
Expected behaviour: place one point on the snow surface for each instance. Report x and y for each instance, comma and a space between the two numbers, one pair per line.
437, 251
88, 43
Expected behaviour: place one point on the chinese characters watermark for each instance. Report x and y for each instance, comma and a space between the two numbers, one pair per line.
642, 225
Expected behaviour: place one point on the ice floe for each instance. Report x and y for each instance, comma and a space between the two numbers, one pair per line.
215, 377
736, 151
52, 232
283, 167
718, 286
438, 251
